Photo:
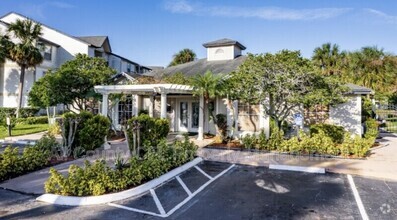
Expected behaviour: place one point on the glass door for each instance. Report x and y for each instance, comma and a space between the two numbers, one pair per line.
183, 116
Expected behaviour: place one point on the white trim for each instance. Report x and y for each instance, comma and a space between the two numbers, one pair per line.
297, 168
94, 200
150, 88
357, 197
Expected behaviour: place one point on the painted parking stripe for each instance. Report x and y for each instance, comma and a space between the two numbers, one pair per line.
135, 210
157, 201
198, 190
184, 186
204, 173
360, 204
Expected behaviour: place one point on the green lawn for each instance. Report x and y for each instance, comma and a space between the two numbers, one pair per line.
22, 129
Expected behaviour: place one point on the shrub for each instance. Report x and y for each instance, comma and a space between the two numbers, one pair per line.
98, 178
221, 122
249, 141
54, 129
262, 140
5, 111
13, 164
47, 143
355, 146
275, 139
28, 112
151, 130
371, 128
333, 131
33, 120
93, 132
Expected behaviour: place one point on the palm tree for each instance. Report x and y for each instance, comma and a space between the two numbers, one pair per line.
25, 53
328, 57
209, 86
368, 68
5, 45
183, 56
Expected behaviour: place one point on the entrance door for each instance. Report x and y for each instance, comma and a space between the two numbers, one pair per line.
189, 116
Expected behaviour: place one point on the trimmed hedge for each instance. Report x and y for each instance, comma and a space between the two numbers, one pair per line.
32, 120
335, 132
13, 164
24, 112
152, 130
91, 129
98, 178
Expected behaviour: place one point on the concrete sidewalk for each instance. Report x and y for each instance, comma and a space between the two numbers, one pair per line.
381, 164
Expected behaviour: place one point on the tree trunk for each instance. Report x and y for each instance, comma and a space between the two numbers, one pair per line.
20, 90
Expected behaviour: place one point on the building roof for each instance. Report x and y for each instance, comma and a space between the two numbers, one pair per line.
148, 88
96, 41
200, 67
54, 29
224, 42
359, 90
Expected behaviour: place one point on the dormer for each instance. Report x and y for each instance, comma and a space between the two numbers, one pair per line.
223, 49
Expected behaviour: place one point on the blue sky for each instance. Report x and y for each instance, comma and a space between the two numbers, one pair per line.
150, 32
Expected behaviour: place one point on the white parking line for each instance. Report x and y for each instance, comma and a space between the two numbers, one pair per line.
157, 201
163, 214
204, 173
184, 186
360, 204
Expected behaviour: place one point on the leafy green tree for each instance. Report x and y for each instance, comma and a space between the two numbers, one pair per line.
328, 58
282, 82
73, 83
373, 68
177, 78
25, 53
209, 86
183, 56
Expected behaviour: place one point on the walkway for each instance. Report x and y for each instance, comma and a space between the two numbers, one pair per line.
381, 164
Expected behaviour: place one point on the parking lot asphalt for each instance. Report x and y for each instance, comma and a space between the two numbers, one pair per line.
243, 192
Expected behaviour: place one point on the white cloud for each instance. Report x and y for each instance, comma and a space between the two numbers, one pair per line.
380, 14
267, 13
178, 6
39, 10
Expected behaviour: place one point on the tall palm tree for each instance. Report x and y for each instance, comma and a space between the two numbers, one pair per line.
209, 86
328, 57
183, 56
25, 53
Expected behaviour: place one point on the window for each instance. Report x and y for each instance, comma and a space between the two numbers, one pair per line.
316, 114
248, 117
98, 53
125, 109
47, 53
219, 51
129, 67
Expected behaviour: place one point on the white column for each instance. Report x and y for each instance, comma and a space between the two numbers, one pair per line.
151, 108
163, 105
201, 120
105, 104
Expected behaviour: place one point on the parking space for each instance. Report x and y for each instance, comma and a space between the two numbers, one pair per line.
243, 192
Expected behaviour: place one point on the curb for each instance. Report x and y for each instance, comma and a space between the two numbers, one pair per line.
107, 198
297, 168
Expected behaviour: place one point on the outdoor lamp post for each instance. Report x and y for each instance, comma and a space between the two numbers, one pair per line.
8, 122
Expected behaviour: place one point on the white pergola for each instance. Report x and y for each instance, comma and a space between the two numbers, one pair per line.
162, 89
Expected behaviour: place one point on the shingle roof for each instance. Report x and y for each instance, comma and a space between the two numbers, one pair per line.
224, 42
96, 41
200, 67
359, 90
